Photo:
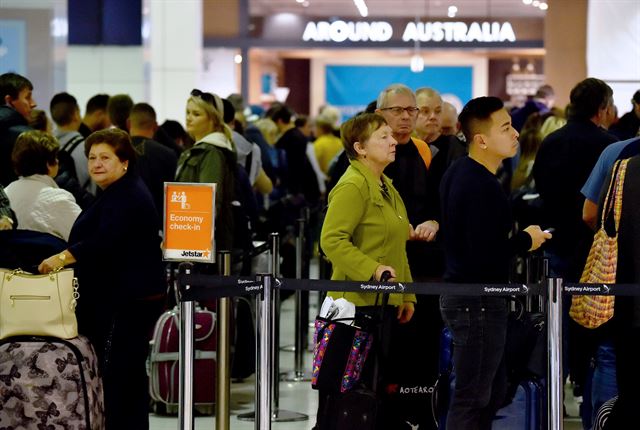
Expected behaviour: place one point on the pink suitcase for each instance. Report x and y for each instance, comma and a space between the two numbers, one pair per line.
164, 366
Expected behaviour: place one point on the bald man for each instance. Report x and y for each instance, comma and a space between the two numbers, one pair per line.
445, 148
449, 120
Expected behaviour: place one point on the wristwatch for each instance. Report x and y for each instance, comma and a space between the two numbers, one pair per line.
62, 257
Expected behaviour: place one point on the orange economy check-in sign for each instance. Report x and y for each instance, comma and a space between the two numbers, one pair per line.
189, 219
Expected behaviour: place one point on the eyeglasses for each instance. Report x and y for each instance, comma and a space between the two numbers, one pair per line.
207, 97
397, 110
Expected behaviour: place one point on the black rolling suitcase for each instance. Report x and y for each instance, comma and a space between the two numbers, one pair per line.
359, 408
353, 410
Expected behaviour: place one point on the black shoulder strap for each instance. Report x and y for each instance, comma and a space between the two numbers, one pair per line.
71, 145
247, 163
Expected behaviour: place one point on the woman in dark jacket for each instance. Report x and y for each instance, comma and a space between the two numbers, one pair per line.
115, 248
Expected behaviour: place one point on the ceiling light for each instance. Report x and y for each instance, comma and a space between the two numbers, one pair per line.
362, 7
305, 3
535, 3
417, 63
543, 6
299, 1
237, 58
452, 11
527, 1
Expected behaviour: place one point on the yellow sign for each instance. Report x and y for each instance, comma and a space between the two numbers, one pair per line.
189, 219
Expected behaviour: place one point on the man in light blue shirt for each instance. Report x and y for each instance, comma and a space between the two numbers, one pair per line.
592, 188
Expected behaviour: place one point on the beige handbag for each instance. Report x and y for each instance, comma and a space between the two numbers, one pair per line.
40, 305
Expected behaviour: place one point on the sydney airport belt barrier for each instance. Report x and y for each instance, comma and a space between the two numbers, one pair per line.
196, 287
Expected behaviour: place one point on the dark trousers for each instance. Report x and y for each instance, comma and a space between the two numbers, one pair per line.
479, 328
121, 341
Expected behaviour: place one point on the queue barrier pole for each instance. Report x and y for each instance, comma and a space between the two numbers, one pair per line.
268, 345
186, 353
554, 340
264, 375
223, 362
299, 374
275, 324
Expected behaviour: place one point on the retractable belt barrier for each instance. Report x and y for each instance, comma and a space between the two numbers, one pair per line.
206, 287
195, 287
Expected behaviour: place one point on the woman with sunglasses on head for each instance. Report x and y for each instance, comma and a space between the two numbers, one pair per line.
212, 158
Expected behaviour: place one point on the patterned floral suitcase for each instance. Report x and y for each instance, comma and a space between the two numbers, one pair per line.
50, 383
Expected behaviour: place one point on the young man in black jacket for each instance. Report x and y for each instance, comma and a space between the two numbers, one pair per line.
476, 228
16, 105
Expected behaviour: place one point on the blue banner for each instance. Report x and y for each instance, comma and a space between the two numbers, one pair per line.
13, 46
351, 88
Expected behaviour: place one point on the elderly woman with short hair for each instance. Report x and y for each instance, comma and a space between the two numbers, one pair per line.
364, 235
39, 204
115, 248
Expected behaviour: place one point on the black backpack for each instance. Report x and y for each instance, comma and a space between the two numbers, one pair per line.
67, 177
245, 213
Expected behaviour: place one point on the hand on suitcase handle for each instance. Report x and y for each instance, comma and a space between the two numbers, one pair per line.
384, 273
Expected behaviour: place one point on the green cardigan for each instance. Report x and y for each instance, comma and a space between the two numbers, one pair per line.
363, 229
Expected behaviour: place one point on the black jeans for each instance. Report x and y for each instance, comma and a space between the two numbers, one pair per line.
479, 328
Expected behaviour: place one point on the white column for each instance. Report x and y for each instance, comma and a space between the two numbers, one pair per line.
173, 50
613, 47
105, 69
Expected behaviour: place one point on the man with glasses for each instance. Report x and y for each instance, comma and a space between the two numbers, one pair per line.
397, 104
409, 172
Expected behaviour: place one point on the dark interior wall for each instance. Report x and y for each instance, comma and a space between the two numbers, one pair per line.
499, 68
105, 22
297, 76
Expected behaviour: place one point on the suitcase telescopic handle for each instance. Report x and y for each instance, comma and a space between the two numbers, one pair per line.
386, 275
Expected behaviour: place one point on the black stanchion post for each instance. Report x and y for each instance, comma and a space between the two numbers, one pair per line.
298, 374
185, 407
275, 324
269, 365
277, 414
223, 364
554, 335
262, 413
264, 379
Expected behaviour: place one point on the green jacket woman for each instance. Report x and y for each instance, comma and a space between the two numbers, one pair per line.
366, 226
